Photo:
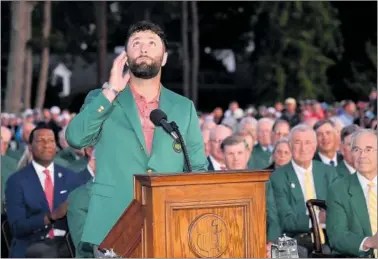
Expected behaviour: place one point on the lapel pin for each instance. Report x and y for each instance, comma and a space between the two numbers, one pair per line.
60, 175
292, 185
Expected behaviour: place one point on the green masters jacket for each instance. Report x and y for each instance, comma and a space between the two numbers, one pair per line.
289, 197
116, 132
259, 158
77, 210
8, 167
342, 170
347, 217
273, 222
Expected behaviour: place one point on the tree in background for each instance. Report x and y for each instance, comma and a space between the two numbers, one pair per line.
296, 43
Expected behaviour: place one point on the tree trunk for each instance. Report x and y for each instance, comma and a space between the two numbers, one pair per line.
16, 57
44, 69
195, 48
101, 28
185, 48
28, 57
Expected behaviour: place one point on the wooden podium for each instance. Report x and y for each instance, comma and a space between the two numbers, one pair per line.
192, 215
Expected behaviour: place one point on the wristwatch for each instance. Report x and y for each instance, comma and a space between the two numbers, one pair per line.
106, 85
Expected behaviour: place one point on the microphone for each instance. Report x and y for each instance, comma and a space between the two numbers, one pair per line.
159, 119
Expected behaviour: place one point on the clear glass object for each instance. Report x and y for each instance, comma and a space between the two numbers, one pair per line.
285, 247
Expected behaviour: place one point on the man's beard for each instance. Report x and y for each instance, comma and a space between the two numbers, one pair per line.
144, 70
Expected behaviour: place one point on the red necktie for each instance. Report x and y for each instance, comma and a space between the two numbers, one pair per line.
49, 192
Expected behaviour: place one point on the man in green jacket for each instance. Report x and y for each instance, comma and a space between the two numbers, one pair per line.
77, 210
298, 181
345, 167
262, 151
116, 121
352, 202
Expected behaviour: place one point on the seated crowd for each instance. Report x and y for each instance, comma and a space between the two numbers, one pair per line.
46, 184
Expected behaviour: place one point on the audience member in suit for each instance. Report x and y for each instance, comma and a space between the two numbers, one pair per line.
8, 164
352, 202
327, 143
249, 140
216, 158
22, 154
35, 200
249, 125
206, 140
281, 154
77, 211
298, 181
280, 130
262, 151
345, 167
236, 156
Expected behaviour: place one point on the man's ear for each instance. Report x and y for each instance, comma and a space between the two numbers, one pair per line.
165, 57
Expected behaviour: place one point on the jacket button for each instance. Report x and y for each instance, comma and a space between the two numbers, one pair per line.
141, 147
149, 171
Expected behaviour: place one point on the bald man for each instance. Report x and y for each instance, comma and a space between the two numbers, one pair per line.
216, 157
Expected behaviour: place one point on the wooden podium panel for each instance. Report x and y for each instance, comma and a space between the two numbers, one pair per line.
194, 215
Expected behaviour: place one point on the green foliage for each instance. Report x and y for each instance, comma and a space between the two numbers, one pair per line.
364, 78
296, 43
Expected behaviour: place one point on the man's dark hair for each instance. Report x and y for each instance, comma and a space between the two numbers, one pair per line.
320, 123
146, 26
348, 130
278, 122
40, 126
231, 141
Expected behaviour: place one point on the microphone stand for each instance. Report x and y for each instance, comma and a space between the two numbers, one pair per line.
186, 156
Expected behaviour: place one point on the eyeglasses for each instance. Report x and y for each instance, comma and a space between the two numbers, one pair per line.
368, 150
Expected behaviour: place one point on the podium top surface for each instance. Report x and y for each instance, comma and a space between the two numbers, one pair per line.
196, 178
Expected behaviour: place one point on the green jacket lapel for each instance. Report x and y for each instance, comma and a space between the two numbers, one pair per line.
294, 184
166, 105
126, 100
319, 182
358, 204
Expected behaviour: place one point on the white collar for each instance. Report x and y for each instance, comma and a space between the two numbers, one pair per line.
364, 181
349, 167
216, 164
299, 169
326, 160
39, 168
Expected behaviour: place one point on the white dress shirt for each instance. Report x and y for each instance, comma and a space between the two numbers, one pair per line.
42, 176
326, 160
349, 167
217, 166
365, 188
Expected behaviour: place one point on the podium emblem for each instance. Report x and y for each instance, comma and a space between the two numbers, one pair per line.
208, 236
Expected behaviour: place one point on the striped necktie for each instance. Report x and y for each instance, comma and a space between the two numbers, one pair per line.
372, 209
310, 194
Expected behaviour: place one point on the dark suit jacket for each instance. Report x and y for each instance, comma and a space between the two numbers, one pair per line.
339, 158
210, 167
26, 205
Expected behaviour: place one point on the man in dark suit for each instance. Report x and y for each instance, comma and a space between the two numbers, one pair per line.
35, 200
327, 143
298, 181
216, 157
352, 202
345, 167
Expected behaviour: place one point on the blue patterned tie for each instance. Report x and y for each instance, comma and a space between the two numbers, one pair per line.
332, 163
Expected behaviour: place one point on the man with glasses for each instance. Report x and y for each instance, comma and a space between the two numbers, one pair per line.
281, 129
352, 201
216, 157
